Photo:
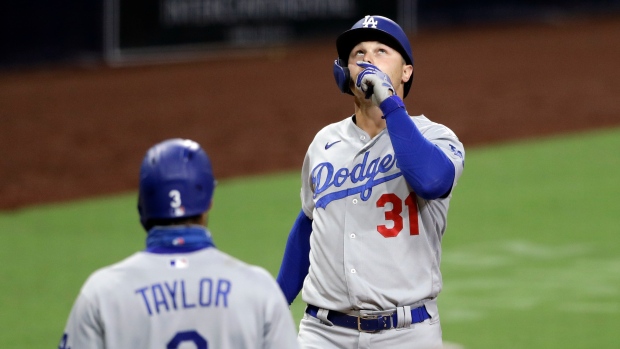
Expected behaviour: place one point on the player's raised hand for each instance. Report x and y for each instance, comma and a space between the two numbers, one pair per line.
374, 83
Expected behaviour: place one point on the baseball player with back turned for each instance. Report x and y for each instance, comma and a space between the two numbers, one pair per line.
376, 187
180, 292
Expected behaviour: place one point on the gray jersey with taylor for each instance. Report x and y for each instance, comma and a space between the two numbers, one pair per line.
206, 297
375, 244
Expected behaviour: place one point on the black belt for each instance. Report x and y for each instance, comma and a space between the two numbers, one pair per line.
367, 322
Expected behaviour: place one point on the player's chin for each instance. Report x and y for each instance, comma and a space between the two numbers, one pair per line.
352, 86
362, 101
356, 91
359, 95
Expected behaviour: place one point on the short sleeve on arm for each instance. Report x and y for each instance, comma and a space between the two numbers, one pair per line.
83, 329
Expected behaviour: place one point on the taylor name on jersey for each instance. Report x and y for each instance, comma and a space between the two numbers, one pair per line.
178, 295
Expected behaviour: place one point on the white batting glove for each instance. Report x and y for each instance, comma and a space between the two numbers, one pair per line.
374, 83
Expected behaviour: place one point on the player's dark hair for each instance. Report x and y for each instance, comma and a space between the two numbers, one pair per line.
150, 223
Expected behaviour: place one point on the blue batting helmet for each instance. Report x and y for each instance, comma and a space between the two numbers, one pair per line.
176, 181
370, 28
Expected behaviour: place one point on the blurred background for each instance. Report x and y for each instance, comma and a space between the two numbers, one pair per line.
72, 31
531, 255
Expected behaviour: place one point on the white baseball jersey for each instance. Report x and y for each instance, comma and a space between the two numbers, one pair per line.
374, 245
201, 299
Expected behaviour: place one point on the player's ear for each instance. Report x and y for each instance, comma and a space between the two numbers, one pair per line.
407, 73
204, 219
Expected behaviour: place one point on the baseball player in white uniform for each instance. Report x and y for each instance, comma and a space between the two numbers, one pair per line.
181, 291
376, 186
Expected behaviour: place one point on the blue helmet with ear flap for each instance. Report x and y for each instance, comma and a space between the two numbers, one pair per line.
370, 28
176, 181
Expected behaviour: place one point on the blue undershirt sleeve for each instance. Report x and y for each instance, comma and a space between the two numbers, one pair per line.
425, 167
296, 260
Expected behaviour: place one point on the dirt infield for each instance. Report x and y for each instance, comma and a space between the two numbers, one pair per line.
69, 133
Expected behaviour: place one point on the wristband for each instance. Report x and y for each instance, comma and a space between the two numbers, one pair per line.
390, 104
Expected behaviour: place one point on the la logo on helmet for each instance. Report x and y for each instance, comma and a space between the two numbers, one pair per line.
369, 21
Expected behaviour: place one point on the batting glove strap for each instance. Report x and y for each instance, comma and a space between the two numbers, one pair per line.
390, 104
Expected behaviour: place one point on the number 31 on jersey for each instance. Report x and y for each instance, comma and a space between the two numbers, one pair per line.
394, 214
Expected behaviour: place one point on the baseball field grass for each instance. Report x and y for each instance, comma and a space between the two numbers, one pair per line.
531, 256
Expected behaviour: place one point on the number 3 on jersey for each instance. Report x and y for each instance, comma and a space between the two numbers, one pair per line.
188, 336
394, 214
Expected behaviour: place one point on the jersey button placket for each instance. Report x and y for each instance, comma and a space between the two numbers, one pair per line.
351, 238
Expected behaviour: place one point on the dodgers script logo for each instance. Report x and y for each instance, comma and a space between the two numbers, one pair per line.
324, 176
